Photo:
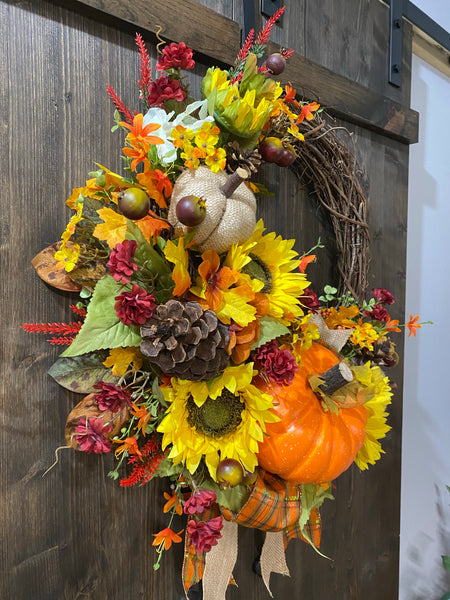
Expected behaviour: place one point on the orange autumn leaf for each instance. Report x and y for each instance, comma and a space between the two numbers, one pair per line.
342, 317
166, 536
151, 226
157, 185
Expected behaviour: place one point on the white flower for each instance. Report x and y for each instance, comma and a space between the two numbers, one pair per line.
167, 153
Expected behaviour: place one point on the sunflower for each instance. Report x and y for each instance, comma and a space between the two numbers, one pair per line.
222, 418
376, 427
266, 263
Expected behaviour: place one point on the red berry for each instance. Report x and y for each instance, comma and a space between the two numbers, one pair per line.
275, 63
229, 472
134, 203
190, 210
286, 159
271, 149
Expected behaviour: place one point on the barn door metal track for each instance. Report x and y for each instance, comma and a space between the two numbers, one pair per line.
404, 8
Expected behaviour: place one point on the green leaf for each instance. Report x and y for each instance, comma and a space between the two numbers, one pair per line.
157, 393
102, 328
312, 497
270, 329
232, 498
80, 373
446, 562
167, 468
262, 189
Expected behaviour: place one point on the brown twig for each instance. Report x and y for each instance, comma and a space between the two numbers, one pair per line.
326, 164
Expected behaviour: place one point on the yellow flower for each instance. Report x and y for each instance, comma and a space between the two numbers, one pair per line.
222, 418
175, 253
376, 427
67, 256
269, 271
216, 159
216, 286
364, 334
180, 136
191, 156
244, 108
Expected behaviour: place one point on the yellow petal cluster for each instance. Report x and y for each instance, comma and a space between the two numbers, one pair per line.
189, 446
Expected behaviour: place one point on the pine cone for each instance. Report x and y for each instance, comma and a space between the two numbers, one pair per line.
185, 341
249, 161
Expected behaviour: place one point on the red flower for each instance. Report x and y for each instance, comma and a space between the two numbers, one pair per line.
205, 534
111, 397
91, 436
175, 56
378, 313
383, 296
120, 263
199, 502
135, 307
164, 89
279, 365
310, 300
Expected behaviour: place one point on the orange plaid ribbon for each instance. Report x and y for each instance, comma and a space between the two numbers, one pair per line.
273, 505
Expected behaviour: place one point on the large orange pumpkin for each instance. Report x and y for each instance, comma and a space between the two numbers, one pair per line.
310, 445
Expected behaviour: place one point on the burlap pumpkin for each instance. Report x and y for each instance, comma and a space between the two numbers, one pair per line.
227, 221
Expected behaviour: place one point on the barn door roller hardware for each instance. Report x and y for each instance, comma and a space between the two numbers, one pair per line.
404, 8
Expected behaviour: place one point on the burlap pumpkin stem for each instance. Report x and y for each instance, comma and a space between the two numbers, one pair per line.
185, 341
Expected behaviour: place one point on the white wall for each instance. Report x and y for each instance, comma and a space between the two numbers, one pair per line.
425, 508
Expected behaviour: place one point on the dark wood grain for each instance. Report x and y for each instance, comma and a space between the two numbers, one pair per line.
343, 98
75, 534
216, 36
200, 27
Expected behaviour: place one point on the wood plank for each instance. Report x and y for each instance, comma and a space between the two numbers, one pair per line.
218, 37
200, 27
352, 101
430, 51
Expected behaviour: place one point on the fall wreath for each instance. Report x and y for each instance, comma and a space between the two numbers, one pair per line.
203, 354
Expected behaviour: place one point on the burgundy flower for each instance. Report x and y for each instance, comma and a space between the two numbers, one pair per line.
120, 263
164, 89
310, 300
205, 534
111, 397
135, 307
383, 296
199, 502
378, 313
279, 365
91, 437
175, 56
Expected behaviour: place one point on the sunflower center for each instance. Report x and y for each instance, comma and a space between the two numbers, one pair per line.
257, 269
218, 417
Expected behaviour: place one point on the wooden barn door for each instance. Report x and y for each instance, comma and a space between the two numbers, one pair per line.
75, 534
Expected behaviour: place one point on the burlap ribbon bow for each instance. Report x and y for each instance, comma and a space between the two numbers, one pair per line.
274, 506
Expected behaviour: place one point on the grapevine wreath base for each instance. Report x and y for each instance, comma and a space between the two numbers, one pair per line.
203, 354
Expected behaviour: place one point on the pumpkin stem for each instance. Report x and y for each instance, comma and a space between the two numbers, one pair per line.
335, 378
233, 182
